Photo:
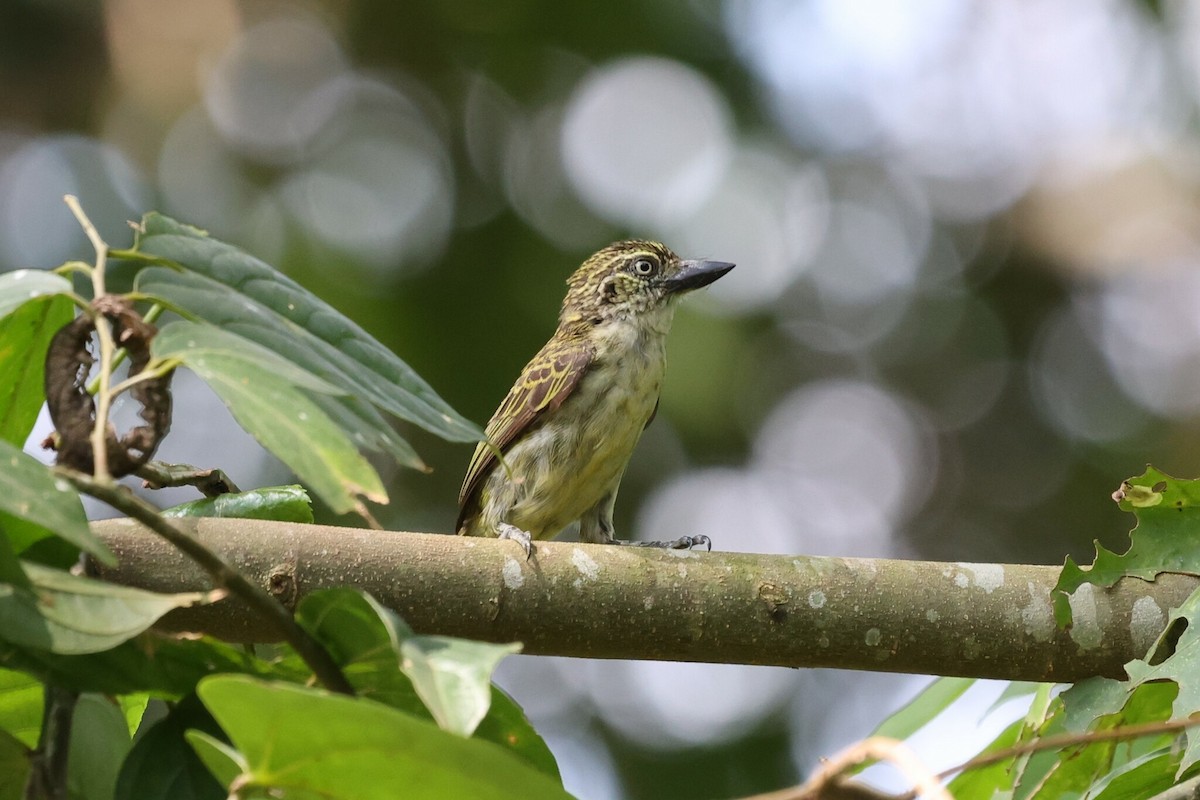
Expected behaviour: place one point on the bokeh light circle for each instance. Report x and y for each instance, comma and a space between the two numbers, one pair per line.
645, 140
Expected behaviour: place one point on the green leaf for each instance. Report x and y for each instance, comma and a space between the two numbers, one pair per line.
99, 743
222, 761
507, 726
14, 767
1146, 776
25, 335
20, 286
919, 711
21, 706
366, 639
11, 571
454, 677
261, 390
1090, 699
30, 492
163, 766
1182, 668
280, 503
1012, 691
68, 614
166, 666
272, 307
310, 741
1165, 539
353, 411
133, 706
1002, 779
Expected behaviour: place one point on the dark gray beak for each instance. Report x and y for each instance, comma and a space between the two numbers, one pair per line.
695, 274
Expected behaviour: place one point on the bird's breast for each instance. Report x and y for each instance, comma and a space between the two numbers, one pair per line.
576, 457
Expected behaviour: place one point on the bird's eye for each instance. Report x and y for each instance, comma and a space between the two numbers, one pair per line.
644, 266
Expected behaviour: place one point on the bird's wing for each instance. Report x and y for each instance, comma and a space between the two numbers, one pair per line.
546, 382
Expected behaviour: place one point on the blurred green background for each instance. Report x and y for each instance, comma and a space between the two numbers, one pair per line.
965, 305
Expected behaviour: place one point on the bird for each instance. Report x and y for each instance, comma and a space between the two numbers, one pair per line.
557, 446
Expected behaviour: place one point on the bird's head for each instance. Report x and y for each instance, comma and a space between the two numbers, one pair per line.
633, 279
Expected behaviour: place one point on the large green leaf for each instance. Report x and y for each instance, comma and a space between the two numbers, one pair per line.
20, 286
163, 766
222, 761
14, 767
368, 640
68, 614
263, 391
24, 336
21, 705
331, 746
30, 492
280, 503
277, 312
99, 743
352, 409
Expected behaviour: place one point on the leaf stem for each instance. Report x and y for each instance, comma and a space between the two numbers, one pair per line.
93, 387
150, 373
223, 575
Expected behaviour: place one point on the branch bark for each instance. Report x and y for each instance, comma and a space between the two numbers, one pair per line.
597, 601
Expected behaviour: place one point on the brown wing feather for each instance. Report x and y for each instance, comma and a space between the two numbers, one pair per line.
545, 383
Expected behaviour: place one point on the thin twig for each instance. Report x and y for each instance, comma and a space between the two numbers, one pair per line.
1071, 739
223, 575
142, 377
107, 348
827, 781
98, 243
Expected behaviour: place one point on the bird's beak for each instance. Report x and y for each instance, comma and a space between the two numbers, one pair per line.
694, 274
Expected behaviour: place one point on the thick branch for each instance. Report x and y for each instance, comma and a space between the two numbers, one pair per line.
597, 601
253, 600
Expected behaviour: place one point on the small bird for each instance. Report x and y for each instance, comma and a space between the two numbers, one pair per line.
560, 441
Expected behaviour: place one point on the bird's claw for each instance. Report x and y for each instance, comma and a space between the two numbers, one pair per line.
522, 537
682, 543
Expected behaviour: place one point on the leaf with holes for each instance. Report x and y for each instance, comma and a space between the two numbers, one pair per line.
1165, 539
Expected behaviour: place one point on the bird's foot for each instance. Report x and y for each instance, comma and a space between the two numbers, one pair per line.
682, 543
521, 537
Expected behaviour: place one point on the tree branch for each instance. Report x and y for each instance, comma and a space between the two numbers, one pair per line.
256, 603
597, 601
